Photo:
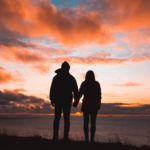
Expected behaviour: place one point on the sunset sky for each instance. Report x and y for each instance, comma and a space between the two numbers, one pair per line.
110, 37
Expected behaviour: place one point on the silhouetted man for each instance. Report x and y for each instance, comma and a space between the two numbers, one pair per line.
63, 89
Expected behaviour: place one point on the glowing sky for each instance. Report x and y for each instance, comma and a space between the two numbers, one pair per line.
111, 37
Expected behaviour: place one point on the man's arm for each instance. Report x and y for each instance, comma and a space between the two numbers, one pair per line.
75, 89
75, 92
80, 93
52, 91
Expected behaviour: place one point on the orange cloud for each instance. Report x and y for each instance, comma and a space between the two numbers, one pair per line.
127, 15
73, 26
6, 76
21, 54
66, 25
34, 58
129, 84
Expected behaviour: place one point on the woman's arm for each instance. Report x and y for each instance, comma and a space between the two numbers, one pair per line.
99, 95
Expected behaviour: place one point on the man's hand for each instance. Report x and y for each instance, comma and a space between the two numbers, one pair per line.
75, 104
53, 104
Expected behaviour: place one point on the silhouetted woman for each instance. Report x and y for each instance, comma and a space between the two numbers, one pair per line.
91, 91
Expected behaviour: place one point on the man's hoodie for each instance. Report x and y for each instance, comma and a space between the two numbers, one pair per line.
63, 88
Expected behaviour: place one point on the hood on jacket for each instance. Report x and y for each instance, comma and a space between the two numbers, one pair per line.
64, 68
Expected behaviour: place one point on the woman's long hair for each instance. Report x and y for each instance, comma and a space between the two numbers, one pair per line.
90, 76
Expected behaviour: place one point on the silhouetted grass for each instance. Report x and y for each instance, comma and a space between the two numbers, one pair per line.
38, 143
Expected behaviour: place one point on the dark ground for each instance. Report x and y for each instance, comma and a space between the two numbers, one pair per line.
38, 143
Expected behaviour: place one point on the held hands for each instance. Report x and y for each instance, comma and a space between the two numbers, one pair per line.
75, 104
76, 101
53, 104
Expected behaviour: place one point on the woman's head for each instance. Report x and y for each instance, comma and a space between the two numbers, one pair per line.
90, 76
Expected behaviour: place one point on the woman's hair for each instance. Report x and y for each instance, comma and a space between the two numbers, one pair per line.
90, 76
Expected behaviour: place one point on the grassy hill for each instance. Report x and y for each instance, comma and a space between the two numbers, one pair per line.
38, 143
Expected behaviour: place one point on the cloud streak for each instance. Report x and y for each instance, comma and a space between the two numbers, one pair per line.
33, 58
129, 84
101, 59
40, 59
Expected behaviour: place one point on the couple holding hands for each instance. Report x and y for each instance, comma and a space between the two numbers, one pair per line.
62, 92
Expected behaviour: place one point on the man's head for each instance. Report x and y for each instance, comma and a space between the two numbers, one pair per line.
65, 66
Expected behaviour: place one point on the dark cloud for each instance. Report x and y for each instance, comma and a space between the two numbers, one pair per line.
127, 109
17, 102
121, 109
12, 101
9, 42
11, 96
